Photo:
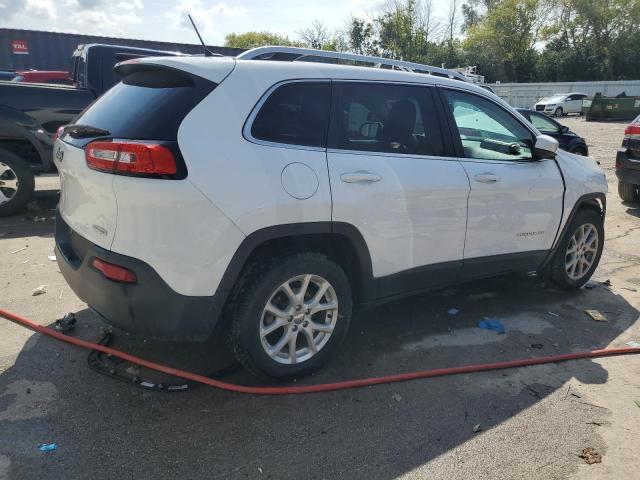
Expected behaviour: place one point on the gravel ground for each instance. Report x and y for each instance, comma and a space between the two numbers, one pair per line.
528, 423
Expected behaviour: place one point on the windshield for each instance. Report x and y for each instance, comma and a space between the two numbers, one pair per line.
556, 98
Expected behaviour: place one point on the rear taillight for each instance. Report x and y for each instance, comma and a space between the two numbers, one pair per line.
632, 131
114, 272
130, 158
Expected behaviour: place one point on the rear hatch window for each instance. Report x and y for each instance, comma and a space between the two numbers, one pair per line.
148, 104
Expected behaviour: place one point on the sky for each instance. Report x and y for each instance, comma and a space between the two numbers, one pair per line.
166, 20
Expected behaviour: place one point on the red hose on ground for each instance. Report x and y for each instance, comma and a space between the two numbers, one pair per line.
325, 387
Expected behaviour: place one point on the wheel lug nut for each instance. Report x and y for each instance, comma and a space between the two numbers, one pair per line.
290, 318
298, 307
295, 327
305, 323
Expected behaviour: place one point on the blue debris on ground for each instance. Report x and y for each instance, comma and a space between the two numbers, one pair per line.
492, 324
47, 447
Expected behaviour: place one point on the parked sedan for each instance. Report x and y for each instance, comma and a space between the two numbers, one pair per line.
560, 104
568, 140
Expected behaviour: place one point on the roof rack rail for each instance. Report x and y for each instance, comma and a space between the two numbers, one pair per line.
296, 54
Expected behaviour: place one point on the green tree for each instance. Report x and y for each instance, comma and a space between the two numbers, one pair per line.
361, 37
504, 40
473, 11
599, 39
257, 39
407, 29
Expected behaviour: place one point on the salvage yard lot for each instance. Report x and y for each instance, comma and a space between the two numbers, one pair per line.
533, 422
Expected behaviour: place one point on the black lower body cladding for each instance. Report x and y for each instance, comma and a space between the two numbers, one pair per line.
629, 175
627, 167
148, 307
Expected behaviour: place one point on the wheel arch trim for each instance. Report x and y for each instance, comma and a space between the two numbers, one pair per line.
255, 240
595, 200
17, 126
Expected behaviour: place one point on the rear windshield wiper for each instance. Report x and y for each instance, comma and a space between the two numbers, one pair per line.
85, 131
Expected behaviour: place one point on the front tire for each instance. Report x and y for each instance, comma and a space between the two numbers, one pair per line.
579, 252
628, 192
290, 315
558, 112
16, 183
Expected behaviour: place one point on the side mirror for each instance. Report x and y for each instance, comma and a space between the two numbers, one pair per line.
564, 129
545, 147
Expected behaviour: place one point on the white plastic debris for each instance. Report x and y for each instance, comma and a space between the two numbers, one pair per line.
397, 397
633, 344
52, 258
453, 311
39, 290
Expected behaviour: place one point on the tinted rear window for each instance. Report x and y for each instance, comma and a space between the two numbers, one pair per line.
147, 105
295, 113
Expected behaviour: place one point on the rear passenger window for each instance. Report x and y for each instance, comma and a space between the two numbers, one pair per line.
385, 118
296, 113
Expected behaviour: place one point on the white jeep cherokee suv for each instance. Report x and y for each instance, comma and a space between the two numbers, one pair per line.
274, 196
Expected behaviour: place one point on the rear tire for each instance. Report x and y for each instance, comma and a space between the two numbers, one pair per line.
579, 251
16, 183
628, 192
286, 333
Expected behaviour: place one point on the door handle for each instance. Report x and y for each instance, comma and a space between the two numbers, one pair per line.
487, 177
360, 177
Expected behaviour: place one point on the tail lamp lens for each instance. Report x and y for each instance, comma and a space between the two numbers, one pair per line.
114, 272
632, 131
133, 158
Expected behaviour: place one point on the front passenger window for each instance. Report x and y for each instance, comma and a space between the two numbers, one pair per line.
487, 131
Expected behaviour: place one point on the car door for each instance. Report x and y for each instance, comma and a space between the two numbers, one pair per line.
573, 104
393, 178
515, 203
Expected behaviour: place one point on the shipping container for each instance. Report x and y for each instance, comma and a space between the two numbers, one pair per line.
38, 50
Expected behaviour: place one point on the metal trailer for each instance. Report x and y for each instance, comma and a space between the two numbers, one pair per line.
39, 50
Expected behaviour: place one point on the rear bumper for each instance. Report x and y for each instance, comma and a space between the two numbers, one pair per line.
149, 307
627, 170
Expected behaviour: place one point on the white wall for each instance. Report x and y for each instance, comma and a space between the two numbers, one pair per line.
527, 94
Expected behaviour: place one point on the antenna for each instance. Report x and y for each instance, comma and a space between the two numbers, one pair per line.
207, 52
